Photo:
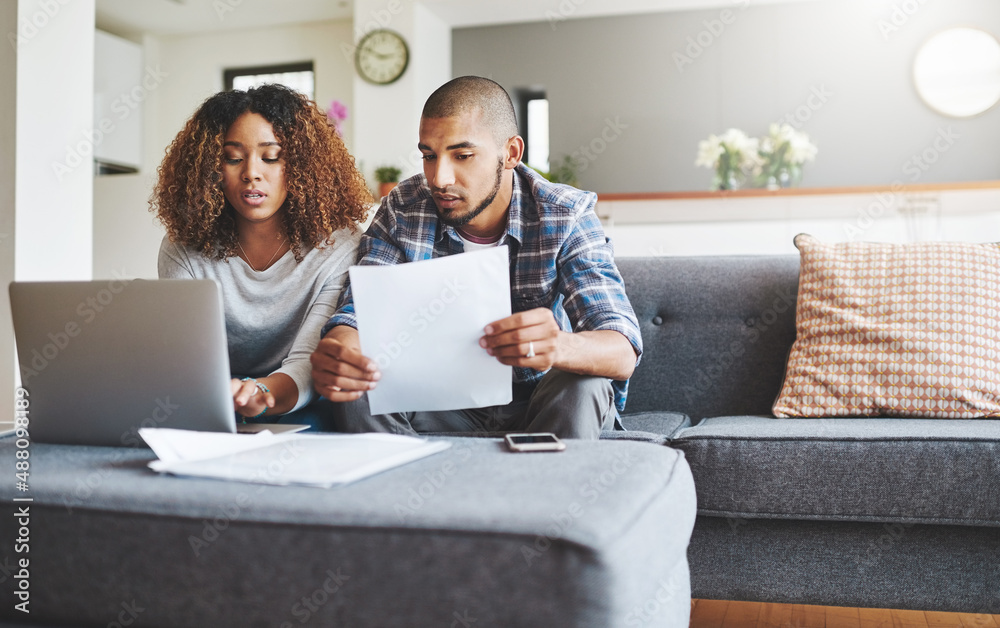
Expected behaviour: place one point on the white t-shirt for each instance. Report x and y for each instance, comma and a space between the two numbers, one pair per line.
469, 245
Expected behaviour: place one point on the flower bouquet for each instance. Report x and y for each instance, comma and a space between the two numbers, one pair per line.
733, 155
782, 153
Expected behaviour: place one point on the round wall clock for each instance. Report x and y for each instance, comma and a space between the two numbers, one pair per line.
381, 57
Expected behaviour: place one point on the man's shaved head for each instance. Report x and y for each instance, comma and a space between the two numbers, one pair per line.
468, 93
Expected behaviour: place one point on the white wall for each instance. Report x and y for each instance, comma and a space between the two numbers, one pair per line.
189, 69
8, 179
46, 113
126, 235
632, 111
55, 118
389, 115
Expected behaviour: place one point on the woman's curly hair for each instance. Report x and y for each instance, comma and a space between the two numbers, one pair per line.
326, 192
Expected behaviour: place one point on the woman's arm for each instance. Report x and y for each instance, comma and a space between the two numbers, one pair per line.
298, 366
248, 399
173, 262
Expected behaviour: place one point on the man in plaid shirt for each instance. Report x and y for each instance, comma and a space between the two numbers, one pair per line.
573, 339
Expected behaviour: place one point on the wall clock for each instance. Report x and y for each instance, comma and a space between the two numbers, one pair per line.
381, 57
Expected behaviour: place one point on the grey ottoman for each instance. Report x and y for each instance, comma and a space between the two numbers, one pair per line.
473, 536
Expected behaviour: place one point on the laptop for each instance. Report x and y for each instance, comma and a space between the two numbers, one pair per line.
101, 359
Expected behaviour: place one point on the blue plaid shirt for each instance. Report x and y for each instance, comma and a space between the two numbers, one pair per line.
560, 257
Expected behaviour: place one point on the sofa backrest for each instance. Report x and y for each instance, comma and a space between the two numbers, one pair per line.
716, 332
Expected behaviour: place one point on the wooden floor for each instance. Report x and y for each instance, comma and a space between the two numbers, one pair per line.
722, 614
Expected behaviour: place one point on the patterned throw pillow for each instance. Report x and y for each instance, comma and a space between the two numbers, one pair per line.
908, 330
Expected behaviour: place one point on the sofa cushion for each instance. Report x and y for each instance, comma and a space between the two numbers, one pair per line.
666, 423
901, 470
715, 331
907, 330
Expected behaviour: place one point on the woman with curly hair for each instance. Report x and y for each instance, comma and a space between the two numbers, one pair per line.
259, 193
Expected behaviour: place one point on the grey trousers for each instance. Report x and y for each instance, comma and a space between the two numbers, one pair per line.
568, 405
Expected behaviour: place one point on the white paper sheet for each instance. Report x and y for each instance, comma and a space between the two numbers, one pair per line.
303, 459
422, 321
172, 445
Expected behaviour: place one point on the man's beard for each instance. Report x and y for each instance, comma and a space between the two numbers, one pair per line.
461, 221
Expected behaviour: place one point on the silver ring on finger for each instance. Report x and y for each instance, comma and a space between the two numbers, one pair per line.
531, 350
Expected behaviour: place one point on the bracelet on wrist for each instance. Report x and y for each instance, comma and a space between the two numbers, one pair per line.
262, 388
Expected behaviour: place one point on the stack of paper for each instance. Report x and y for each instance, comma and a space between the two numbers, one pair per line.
310, 460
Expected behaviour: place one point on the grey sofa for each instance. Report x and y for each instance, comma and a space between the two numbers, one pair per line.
884, 513
890, 513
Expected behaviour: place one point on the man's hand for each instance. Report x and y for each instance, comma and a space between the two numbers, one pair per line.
339, 371
601, 353
511, 340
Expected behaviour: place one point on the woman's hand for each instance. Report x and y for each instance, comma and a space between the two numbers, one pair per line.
249, 400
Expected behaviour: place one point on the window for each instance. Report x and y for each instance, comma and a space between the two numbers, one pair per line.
298, 76
538, 131
533, 123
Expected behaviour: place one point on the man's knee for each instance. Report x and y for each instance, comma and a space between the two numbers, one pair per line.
561, 383
350, 416
576, 406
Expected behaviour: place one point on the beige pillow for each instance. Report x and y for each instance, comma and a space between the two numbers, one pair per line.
895, 330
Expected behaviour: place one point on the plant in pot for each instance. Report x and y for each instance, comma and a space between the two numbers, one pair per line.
563, 171
387, 177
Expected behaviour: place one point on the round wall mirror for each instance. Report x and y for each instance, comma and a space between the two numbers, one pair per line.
957, 72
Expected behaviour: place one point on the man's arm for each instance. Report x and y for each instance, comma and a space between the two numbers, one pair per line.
605, 342
595, 299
